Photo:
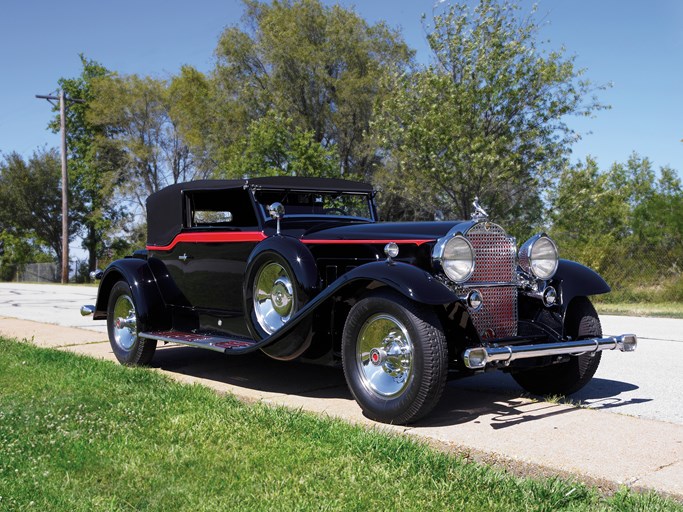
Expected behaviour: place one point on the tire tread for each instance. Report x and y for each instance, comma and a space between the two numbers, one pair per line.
144, 349
562, 379
434, 350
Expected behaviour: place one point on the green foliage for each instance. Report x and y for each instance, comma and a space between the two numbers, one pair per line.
31, 199
487, 119
93, 168
624, 222
136, 114
304, 88
17, 250
319, 68
273, 146
81, 434
191, 107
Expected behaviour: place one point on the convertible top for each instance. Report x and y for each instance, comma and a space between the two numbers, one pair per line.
165, 207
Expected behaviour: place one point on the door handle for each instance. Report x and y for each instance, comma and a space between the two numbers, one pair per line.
183, 257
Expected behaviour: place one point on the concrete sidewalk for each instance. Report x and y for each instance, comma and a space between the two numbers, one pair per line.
527, 437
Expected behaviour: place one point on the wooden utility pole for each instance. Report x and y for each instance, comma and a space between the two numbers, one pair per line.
65, 179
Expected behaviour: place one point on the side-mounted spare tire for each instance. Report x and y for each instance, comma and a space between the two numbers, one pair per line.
281, 277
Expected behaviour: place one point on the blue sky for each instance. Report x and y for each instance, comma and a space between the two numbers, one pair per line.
637, 46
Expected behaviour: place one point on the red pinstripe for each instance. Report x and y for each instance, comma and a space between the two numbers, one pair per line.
257, 236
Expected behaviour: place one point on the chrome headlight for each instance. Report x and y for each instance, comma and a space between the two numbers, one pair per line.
538, 256
456, 258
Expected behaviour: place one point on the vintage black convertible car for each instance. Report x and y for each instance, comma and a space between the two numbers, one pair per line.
301, 269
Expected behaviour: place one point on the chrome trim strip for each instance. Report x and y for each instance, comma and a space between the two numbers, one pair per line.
488, 284
478, 357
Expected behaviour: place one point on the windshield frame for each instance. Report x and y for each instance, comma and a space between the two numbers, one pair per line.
262, 206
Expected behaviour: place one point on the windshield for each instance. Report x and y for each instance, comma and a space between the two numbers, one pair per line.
336, 204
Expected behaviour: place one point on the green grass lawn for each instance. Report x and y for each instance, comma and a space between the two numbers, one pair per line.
82, 434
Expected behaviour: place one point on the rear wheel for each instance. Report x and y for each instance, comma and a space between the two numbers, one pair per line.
395, 357
581, 322
123, 328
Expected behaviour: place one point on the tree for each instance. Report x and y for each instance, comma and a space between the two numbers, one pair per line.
93, 167
589, 216
30, 194
318, 67
657, 212
624, 222
192, 107
18, 250
486, 119
136, 114
273, 146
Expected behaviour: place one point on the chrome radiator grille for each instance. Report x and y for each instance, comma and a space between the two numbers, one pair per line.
495, 263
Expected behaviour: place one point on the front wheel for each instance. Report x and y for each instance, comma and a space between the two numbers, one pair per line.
581, 322
395, 357
123, 328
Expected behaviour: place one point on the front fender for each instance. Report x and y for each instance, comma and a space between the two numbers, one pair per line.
150, 307
575, 280
297, 255
408, 280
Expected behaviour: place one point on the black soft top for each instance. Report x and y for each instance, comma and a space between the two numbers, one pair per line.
165, 208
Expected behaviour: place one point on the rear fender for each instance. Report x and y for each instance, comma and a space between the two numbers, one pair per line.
150, 308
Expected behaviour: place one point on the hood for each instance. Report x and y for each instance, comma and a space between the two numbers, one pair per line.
382, 231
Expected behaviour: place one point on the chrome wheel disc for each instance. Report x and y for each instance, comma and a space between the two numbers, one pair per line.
384, 355
125, 323
274, 297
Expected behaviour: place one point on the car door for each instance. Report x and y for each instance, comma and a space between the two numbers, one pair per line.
208, 260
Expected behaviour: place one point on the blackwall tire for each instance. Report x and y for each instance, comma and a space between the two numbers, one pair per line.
273, 295
123, 328
581, 322
395, 357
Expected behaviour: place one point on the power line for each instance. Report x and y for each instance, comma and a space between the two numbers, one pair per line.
65, 177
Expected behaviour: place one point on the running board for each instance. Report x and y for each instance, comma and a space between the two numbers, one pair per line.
227, 345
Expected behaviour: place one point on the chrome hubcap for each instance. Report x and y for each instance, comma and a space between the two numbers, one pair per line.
125, 323
384, 354
273, 297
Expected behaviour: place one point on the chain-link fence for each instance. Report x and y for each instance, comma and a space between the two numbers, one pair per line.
635, 275
38, 273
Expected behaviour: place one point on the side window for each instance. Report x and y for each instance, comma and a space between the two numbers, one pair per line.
209, 217
220, 209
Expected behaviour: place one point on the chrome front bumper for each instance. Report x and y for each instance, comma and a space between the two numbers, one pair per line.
478, 357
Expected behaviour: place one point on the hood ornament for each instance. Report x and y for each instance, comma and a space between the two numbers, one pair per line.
479, 213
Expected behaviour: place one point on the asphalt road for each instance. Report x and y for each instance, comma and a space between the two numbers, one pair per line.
647, 383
